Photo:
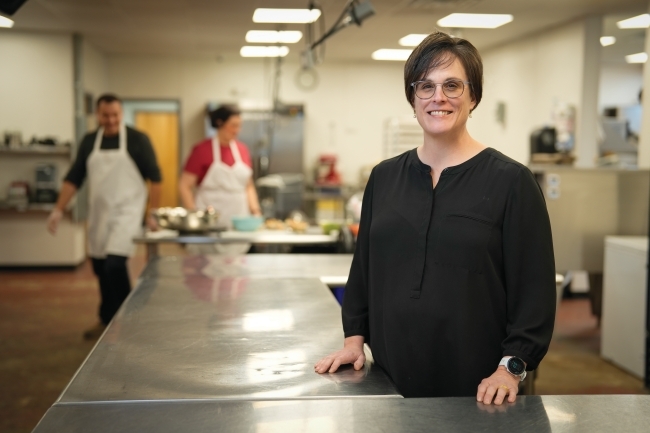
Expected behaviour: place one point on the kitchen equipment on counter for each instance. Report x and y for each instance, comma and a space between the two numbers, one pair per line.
280, 194
18, 195
186, 221
46, 141
13, 139
297, 221
326, 173
542, 140
46, 188
247, 223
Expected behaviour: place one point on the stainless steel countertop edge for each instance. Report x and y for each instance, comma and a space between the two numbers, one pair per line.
230, 398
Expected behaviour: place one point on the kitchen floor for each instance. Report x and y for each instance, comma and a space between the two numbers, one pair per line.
44, 312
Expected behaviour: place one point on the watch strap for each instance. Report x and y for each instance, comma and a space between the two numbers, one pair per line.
504, 362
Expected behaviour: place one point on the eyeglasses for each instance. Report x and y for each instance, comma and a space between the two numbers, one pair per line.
451, 88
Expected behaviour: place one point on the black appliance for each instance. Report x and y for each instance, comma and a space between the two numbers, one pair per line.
543, 140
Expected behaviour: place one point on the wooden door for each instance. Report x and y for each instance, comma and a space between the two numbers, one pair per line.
162, 129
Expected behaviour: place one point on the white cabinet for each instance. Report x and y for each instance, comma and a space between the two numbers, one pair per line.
624, 302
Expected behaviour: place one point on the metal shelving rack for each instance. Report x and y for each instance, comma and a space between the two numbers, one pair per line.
401, 134
37, 149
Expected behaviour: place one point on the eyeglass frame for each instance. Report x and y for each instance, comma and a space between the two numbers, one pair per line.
414, 83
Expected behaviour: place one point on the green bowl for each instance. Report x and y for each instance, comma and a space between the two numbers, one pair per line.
247, 223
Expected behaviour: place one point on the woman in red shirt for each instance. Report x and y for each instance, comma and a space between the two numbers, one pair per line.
219, 172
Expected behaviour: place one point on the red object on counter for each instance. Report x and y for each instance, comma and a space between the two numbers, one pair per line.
326, 173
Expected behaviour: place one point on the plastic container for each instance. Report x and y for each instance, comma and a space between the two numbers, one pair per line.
247, 223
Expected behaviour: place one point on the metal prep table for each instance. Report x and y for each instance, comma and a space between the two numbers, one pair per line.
331, 269
259, 237
529, 414
211, 343
241, 329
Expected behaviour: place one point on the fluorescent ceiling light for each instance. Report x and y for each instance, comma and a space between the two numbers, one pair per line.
637, 58
606, 41
273, 37
262, 15
6, 22
257, 51
638, 22
391, 54
478, 21
412, 40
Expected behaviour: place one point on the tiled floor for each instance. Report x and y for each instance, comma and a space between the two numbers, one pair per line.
44, 312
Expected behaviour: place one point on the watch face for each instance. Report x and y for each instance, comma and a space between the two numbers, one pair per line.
516, 365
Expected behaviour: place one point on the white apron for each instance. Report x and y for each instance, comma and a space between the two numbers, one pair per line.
117, 199
224, 188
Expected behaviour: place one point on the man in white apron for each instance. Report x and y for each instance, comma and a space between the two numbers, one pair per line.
223, 183
116, 160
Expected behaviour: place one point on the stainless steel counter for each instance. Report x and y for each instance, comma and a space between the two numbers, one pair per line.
210, 343
259, 237
228, 337
251, 265
529, 414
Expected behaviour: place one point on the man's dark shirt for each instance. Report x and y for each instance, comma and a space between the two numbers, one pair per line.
137, 145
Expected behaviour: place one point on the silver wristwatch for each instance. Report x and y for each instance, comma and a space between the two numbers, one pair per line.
515, 366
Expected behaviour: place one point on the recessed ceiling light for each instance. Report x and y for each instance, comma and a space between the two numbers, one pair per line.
263, 15
6, 22
606, 41
478, 21
412, 40
273, 37
637, 58
637, 22
391, 54
258, 51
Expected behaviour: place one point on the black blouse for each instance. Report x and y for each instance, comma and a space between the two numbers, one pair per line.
447, 280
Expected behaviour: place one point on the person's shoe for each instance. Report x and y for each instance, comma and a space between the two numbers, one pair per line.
95, 332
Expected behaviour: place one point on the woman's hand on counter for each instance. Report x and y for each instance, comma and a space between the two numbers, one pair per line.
352, 353
497, 386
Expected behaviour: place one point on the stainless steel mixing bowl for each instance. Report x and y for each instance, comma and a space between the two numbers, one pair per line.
183, 220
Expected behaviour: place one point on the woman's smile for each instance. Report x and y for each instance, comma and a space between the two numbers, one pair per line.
439, 113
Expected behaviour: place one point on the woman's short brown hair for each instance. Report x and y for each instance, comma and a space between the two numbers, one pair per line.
439, 49
221, 114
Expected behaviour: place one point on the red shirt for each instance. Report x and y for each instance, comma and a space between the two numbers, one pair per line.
202, 158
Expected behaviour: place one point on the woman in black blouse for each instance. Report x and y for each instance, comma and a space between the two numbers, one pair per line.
453, 278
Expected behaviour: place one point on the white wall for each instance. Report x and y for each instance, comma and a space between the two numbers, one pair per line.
529, 75
345, 114
619, 85
36, 95
95, 70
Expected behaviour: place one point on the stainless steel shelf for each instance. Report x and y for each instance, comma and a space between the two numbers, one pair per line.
37, 149
32, 207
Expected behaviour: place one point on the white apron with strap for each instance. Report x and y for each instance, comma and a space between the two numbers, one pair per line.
224, 188
118, 196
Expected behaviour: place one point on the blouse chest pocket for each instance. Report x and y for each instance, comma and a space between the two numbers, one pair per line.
462, 241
